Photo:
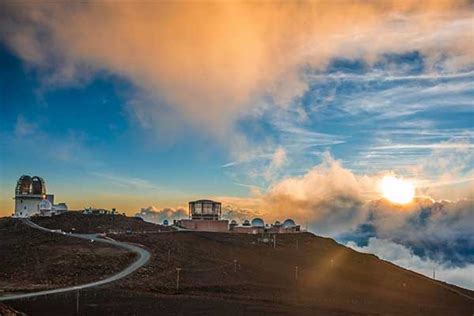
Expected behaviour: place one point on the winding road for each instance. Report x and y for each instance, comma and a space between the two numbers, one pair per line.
143, 257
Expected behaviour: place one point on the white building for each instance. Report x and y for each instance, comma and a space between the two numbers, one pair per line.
31, 198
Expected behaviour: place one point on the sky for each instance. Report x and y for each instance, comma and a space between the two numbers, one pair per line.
276, 109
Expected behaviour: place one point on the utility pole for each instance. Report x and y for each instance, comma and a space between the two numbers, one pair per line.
177, 279
434, 273
77, 302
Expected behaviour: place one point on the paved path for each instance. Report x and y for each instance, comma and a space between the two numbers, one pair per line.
143, 257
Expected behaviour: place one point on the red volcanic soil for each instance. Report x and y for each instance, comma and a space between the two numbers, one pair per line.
330, 276
75, 221
332, 280
33, 260
8, 311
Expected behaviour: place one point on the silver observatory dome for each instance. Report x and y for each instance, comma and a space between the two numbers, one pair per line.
258, 222
289, 223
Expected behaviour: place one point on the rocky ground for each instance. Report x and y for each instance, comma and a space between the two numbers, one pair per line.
8, 311
32, 260
75, 221
329, 277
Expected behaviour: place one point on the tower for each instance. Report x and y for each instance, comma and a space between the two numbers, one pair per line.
29, 192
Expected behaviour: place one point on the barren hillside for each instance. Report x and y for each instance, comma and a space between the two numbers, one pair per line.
234, 274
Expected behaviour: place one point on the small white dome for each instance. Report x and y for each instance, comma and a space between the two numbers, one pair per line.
289, 223
45, 205
258, 222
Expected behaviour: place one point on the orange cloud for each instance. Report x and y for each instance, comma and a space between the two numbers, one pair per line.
206, 64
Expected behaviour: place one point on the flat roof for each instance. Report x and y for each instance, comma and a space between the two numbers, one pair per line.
204, 201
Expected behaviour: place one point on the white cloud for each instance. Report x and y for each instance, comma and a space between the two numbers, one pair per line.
24, 128
426, 146
404, 257
154, 215
128, 182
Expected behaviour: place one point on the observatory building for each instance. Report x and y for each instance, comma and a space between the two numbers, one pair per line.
204, 215
257, 226
31, 198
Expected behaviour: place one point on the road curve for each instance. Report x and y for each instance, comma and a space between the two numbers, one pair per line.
143, 257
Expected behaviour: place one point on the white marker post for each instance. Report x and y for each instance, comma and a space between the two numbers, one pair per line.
177, 279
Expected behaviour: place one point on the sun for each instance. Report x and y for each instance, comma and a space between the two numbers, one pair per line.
397, 190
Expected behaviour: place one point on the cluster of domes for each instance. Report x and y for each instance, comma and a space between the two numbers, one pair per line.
258, 222
30, 185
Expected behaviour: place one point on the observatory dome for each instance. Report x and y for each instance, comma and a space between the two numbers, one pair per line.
23, 185
30, 185
257, 222
277, 223
288, 223
246, 223
165, 222
37, 186
233, 222
45, 205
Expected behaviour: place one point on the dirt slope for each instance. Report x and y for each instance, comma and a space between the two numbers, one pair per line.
332, 279
330, 276
33, 260
85, 224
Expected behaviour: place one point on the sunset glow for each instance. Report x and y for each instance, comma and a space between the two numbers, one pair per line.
397, 190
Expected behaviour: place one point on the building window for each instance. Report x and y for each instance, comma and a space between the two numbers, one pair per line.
197, 208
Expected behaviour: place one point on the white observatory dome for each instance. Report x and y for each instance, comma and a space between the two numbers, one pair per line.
258, 222
45, 205
289, 223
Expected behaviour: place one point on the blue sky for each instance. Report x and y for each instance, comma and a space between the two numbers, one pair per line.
373, 118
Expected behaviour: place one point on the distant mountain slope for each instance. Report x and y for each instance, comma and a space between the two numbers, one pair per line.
103, 223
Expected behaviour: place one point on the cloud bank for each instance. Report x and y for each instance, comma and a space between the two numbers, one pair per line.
404, 257
154, 215
335, 202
